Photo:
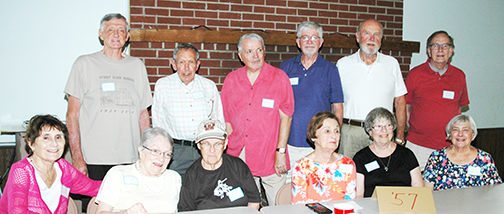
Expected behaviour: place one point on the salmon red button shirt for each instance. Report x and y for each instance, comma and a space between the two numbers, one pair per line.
253, 112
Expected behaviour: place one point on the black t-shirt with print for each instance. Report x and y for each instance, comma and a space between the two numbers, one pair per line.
203, 189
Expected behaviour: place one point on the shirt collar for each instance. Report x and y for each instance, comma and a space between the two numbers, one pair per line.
359, 60
446, 73
298, 60
264, 73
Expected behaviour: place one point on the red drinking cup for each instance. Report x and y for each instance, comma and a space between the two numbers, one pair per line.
343, 208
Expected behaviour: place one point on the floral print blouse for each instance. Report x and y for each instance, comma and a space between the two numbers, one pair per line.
319, 182
447, 175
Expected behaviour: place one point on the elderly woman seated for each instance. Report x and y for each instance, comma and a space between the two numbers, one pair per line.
216, 180
323, 175
384, 163
460, 165
145, 186
43, 181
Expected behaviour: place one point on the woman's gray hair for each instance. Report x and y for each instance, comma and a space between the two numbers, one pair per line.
111, 16
150, 133
458, 119
185, 46
309, 25
253, 36
376, 114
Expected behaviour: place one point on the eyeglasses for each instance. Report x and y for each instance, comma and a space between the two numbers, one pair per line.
442, 46
312, 38
158, 153
207, 145
380, 127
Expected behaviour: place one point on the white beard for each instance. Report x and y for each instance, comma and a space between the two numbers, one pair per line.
366, 50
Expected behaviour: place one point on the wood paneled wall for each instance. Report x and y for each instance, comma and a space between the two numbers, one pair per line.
492, 141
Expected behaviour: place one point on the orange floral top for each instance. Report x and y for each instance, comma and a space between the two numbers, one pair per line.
319, 182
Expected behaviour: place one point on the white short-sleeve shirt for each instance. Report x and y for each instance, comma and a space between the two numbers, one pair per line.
366, 87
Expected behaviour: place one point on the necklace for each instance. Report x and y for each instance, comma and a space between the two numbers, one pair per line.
160, 190
49, 177
388, 162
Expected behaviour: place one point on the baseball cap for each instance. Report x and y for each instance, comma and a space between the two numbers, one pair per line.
210, 129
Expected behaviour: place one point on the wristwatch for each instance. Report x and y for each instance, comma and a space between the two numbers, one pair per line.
281, 150
399, 141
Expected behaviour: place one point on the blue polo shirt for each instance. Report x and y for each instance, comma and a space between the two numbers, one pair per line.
315, 89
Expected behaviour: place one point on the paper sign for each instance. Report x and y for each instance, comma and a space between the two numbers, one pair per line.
474, 170
65, 191
268, 103
198, 95
372, 166
346, 168
448, 94
235, 194
404, 199
108, 86
294, 80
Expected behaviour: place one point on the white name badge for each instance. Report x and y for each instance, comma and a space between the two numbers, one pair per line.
108, 86
130, 180
235, 194
372, 166
268, 103
65, 191
346, 168
474, 170
294, 80
198, 95
448, 95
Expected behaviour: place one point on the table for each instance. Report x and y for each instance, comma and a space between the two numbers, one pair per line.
484, 199
7, 157
369, 205
18, 131
229, 210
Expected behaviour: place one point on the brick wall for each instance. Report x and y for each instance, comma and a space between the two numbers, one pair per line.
280, 16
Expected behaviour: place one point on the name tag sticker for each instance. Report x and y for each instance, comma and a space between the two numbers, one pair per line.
346, 168
268, 103
294, 80
198, 95
372, 166
448, 95
474, 170
130, 180
108, 86
235, 194
65, 191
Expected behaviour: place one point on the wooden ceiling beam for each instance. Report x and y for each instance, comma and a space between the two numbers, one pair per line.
270, 38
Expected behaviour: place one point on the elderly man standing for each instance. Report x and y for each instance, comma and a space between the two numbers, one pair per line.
437, 91
108, 94
181, 102
370, 79
316, 85
258, 106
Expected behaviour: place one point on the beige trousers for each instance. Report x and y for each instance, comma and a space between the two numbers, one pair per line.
271, 183
353, 139
422, 153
